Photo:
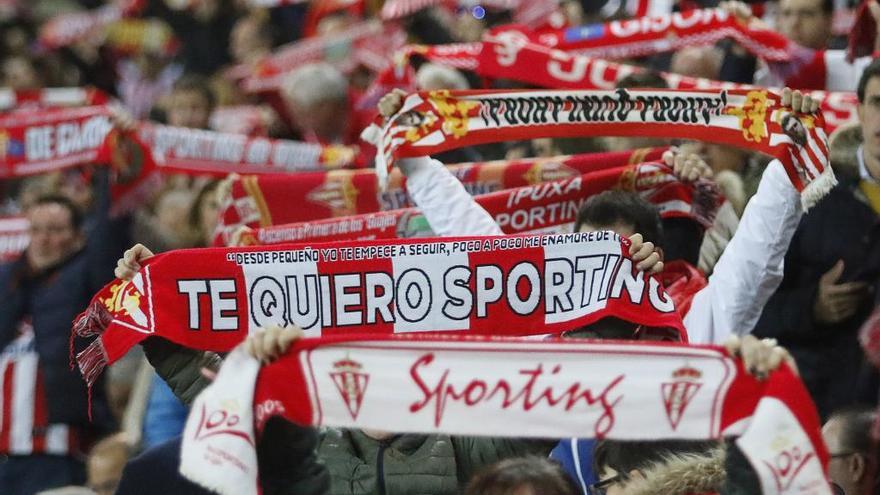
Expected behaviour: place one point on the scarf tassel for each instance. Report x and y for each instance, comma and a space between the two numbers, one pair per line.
706, 200
818, 188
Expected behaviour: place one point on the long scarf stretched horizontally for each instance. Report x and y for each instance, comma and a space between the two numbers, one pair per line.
262, 201
499, 387
541, 208
45, 139
510, 55
69, 28
210, 299
669, 32
436, 121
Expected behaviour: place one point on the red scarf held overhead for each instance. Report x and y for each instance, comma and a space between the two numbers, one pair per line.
436, 121
14, 237
261, 201
541, 208
211, 299
48, 139
30, 99
649, 35
455, 385
67, 29
510, 55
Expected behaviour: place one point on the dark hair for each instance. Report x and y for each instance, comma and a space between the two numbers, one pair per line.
196, 83
828, 6
76, 216
642, 79
870, 72
610, 207
194, 218
856, 424
624, 456
538, 473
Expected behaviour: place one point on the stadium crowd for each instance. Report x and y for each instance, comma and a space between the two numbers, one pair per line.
750, 268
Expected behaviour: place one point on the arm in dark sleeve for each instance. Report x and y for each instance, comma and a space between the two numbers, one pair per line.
102, 245
12, 303
180, 367
737, 65
288, 461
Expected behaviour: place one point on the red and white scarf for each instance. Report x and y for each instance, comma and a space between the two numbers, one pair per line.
30, 99
368, 43
432, 122
47, 139
531, 13
66, 29
549, 207
261, 201
669, 32
457, 385
510, 55
210, 299
14, 237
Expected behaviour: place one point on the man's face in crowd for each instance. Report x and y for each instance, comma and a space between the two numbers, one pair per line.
327, 119
804, 22
189, 109
869, 118
53, 236
854, 472
246, 41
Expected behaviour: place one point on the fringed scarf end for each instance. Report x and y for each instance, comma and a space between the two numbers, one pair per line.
818, 188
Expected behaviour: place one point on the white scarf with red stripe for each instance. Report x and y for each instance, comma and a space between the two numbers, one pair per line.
502, 387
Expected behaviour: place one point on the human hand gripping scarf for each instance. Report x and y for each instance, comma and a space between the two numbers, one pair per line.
436, 121
458, 385
210, 299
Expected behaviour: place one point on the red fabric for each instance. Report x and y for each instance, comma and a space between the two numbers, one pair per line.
506, 57
260, 201
545, 207
812, 75
647, 35
437, 121
682, 281
862, 36
169, 297
66, 29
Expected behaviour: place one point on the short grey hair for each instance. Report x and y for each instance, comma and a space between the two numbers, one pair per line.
432, 76
313, 83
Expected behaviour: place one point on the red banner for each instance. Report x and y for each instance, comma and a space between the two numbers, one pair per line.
265, 200
66, 29
14, 237
35, 142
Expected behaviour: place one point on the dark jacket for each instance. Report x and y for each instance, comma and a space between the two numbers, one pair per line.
53, 298
413, 464
841, 226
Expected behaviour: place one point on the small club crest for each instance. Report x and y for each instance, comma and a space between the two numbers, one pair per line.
679, 392
351, 382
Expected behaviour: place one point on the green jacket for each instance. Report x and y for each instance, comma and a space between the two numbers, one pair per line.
413, 464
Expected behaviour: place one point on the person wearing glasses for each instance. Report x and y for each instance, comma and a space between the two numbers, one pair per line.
854, 454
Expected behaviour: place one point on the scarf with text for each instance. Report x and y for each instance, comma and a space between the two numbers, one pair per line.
649, 35
262, 201
549, 207
210, 299
47, 139
530, 13
28, 99
455, 385
510, 55
67, 29
366, 44
435, 121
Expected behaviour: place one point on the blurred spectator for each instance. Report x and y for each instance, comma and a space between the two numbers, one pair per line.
190, 102
20, 72
697, 61
432, 77
251, 39
105, 464
855, 456
143, 79
317, 97
49, 285
806, 22
522, 476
